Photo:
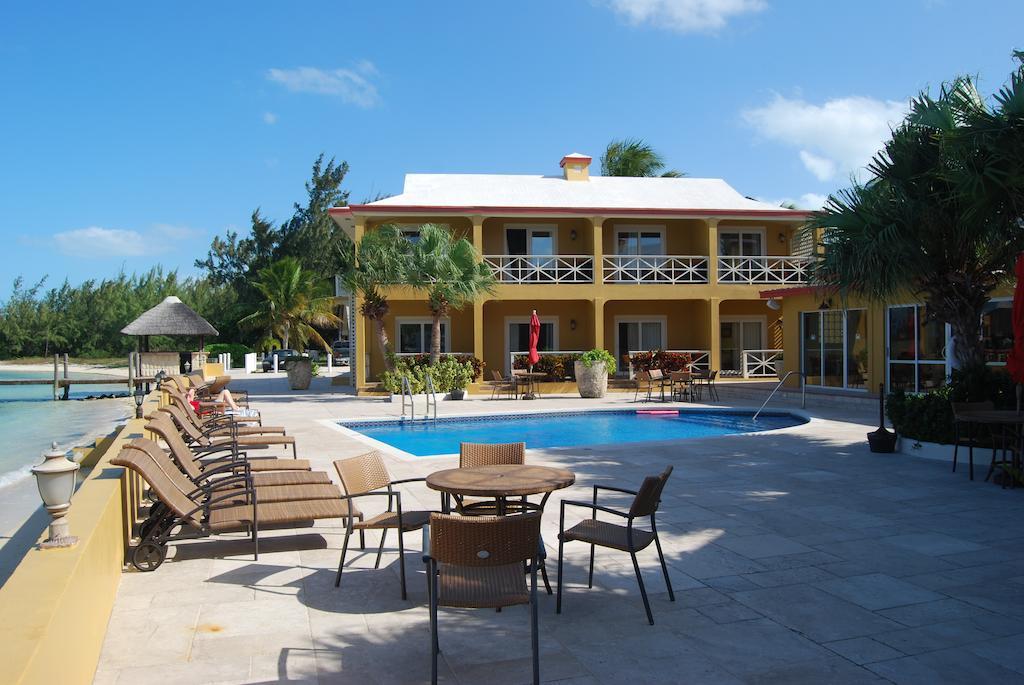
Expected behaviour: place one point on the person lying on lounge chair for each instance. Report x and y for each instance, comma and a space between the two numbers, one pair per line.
223, 397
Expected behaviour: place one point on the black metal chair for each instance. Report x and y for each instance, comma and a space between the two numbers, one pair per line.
971, 439
625, 538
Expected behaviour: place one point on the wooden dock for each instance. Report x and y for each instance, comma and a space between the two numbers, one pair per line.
62, 384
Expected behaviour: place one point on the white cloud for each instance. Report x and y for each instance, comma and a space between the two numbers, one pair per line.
685, 16
351, 85
269, 118
95, 241
837, 137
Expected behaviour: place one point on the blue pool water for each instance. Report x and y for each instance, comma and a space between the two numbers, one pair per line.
564, 429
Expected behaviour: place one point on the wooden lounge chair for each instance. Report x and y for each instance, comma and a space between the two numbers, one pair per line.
500, 385
220, 383
162, 426
183, 514
366, 476
477, 562
257, 440
624, 538
209, 417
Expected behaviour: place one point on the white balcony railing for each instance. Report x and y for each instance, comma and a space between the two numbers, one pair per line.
763, 269
761, 363
541, 268
700, 360
655, 269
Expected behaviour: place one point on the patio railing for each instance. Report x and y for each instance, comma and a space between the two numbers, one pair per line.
541, 268
763, 269
761, 363
700, 360
655, 269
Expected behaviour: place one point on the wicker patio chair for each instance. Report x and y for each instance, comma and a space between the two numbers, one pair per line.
183, 513
500, 385
365, 476
476, 562
681, 385
712, 390
197, 437
644, 383
625, 538
209, 410
486, 454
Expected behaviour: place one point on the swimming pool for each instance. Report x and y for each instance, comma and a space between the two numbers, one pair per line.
565, 429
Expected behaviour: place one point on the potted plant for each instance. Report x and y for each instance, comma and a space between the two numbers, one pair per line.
462, 376
300, 372
592, 371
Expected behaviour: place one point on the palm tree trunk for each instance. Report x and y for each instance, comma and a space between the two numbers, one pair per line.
968, 350
284, 338
435, 338
382, 342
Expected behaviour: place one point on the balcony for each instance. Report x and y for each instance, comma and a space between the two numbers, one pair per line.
541, 268
655, 269
763, 269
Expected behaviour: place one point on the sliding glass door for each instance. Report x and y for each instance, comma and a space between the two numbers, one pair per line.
916, 357
833, 348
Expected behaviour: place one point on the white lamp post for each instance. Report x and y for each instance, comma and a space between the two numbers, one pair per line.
56, 478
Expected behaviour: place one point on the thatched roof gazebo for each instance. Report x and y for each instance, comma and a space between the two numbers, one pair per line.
171, 317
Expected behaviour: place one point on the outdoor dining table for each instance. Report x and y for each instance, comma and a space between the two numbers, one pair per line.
501, 481
531, 378
1005, 424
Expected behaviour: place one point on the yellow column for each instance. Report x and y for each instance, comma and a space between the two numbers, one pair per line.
598, 314
597, 249
714, 335
359, 357
478, 234
478, 329
713, 251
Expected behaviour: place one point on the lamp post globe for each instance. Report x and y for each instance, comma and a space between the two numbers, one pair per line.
56, 478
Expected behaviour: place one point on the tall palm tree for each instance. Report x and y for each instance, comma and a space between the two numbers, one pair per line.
448, 270
382, 260
634, 157
941, 216
294, 302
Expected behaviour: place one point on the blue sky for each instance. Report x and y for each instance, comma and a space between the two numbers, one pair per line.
131, 133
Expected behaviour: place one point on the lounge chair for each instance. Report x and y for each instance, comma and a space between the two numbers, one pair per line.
196, 437
185, 513
220, 453
477, 562
218, 426
366, 476
220, 383
624, 538
214, 410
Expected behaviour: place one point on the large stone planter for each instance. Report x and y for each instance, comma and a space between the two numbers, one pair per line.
300, 373
591, 381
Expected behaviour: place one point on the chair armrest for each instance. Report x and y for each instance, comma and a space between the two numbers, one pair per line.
615, 489
594, 507
407, 480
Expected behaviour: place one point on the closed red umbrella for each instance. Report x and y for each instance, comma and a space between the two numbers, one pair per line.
1015, 361
533, 357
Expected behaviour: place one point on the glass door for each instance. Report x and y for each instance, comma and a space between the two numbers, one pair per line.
916, 354
740, 243
537, 246
833, 348
638, 336
519, 337
736, 338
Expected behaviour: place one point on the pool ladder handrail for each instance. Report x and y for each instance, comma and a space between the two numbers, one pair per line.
803, 392
407, 392
431, 396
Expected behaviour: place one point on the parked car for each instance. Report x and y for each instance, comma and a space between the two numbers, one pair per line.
340, 352
282, 355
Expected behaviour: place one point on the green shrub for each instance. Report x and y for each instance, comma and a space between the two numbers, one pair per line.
929, 416
450, 373
660, 359
236, 350
596, 356
556, 366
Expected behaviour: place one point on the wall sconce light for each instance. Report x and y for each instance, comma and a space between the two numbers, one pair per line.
774, 304
782, 237
572, 324
56, 478
139, 396
572, 234
825, 305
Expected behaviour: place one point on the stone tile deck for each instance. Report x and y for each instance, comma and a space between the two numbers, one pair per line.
797, 557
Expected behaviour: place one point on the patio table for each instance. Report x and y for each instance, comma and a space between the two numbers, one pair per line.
531, 378
501, 482
1007, 423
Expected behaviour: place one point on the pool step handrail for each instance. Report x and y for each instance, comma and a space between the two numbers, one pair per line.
803, 392
407, 392
431, 396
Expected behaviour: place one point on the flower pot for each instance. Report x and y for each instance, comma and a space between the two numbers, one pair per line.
458, 394
591, 381
300, 373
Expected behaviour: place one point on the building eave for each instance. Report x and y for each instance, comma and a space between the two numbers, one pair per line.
469, 210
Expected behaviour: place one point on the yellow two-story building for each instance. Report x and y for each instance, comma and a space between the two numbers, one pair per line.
624, 264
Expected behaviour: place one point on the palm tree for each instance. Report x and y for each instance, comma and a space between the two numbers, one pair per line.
383, 259
448, 270
940, 217
294, 302
634, 157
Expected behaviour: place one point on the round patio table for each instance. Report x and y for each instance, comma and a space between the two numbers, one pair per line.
531, 378
502, 481
1009, 423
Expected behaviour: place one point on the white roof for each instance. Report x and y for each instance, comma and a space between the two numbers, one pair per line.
612, 192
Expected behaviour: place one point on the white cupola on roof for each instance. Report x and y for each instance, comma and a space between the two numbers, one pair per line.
576, 167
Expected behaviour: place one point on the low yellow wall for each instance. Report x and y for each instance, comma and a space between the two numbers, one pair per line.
55, 606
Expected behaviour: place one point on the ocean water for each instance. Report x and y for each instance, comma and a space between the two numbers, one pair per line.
30, 420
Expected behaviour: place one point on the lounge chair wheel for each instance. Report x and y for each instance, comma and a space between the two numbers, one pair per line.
148, 556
